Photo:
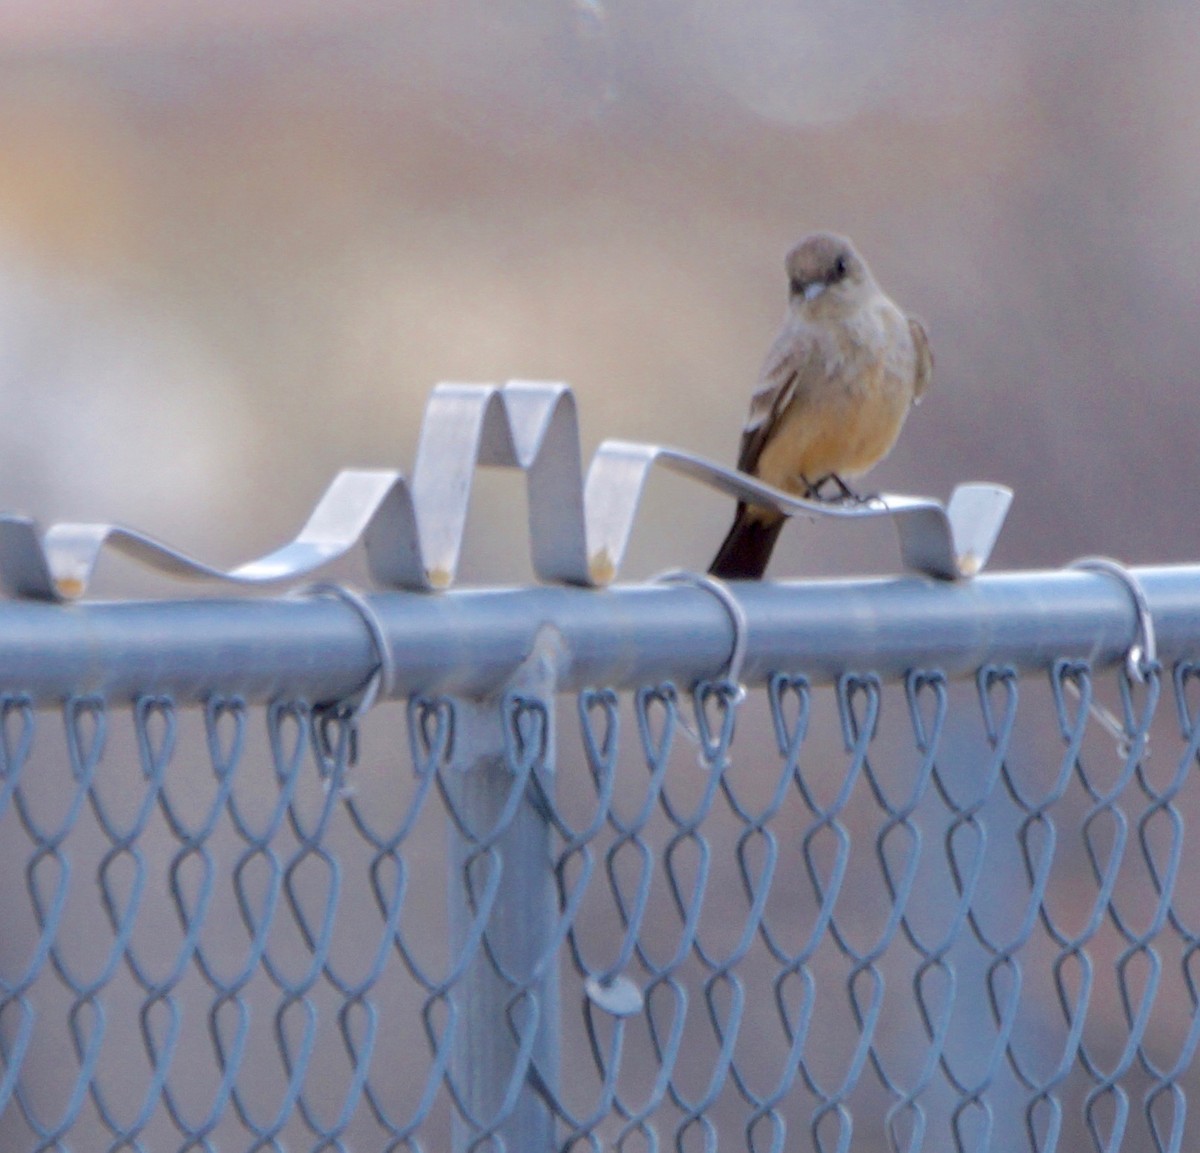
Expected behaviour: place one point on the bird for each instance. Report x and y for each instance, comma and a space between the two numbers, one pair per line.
832, 395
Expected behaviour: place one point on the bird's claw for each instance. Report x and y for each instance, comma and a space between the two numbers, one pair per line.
844, 495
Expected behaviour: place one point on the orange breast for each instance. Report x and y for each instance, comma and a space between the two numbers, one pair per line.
837, 427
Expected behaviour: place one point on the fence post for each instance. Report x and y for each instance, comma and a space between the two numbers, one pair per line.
503, 911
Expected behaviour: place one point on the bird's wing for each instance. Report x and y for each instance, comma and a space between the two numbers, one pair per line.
924, 367
781, 373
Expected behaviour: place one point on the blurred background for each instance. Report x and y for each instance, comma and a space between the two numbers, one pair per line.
240, 243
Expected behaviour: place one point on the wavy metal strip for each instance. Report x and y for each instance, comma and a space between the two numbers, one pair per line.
412, 531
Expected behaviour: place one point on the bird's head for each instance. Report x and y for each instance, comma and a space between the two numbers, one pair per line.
826, 276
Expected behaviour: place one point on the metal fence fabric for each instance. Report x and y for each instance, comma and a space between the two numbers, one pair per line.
875, 910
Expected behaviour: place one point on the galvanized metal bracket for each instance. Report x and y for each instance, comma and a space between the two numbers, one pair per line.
950, 541
412, 530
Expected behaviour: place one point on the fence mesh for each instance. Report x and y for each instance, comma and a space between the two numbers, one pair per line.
894, 915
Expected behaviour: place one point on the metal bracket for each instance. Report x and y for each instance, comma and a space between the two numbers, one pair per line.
949, 541
412, 531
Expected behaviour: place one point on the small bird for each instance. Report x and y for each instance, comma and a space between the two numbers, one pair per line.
832, 396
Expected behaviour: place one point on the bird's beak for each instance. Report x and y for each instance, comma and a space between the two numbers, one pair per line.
813, 290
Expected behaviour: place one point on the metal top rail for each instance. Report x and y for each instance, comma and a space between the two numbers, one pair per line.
470, 642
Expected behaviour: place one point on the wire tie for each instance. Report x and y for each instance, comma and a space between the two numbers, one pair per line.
1142, 654
732, 606
350, 709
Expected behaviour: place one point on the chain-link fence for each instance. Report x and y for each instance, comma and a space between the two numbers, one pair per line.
924, 886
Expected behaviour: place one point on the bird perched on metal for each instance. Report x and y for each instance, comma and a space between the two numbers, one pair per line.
833, 393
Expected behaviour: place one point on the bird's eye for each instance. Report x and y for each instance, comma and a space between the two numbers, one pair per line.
839, 268
796, 286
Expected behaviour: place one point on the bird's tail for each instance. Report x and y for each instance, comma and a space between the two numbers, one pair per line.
746, 550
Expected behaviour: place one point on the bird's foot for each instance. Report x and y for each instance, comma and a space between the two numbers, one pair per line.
844, 494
